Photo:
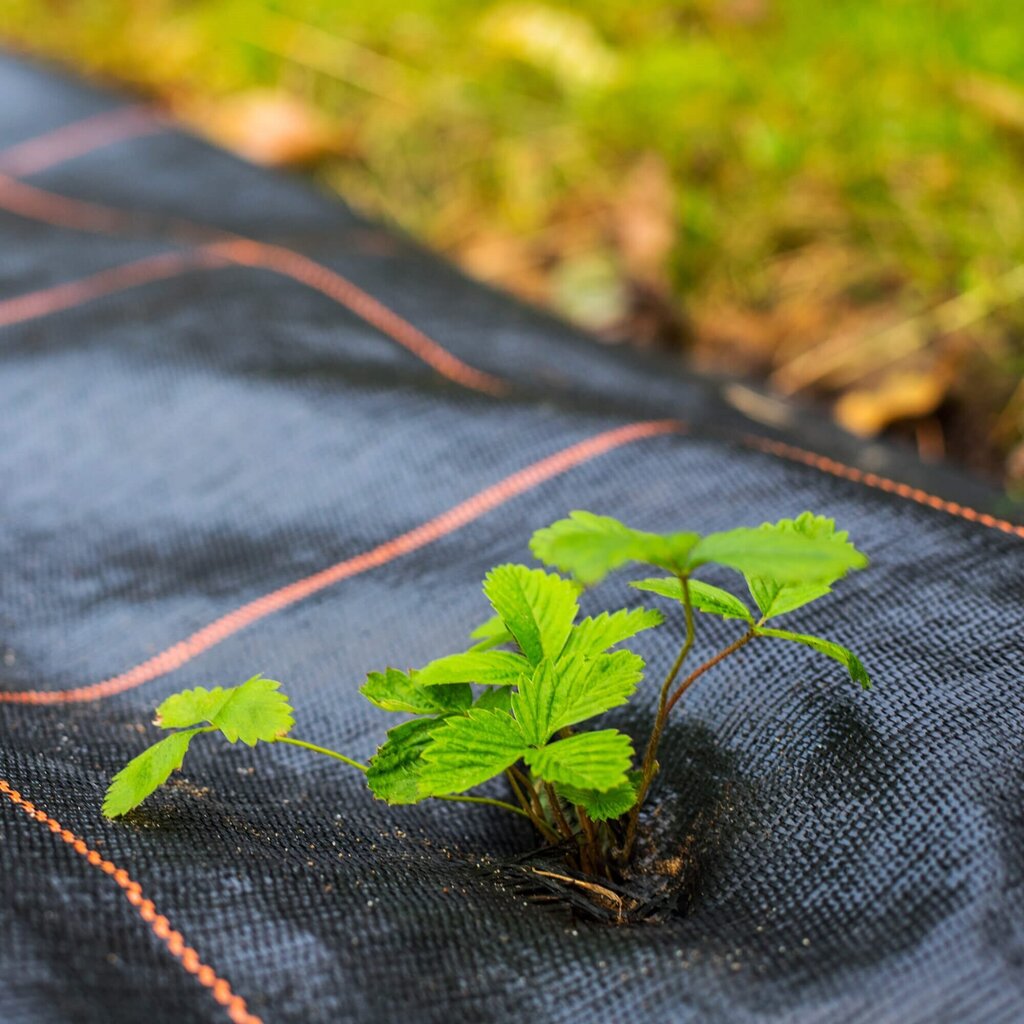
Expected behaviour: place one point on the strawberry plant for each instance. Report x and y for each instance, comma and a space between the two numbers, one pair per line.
518, 703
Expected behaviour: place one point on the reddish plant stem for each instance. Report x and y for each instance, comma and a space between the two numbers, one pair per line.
532, 807
556, 812
648, 766
591, 850
664, 711
710, 663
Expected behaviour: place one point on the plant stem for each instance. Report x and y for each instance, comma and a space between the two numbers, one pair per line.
710, 663
365, 768
649, 764
659, 727
534, 799
591, 852
491, 803
556, 811
537, 817
323, 750
538, 822
517, 790
687, 642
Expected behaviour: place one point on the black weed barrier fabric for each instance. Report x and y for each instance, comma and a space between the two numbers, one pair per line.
243, 430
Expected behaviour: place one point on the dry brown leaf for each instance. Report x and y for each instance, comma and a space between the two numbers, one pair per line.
267, 126
644, 221
603, 895
504, 260
997, 100
901, 395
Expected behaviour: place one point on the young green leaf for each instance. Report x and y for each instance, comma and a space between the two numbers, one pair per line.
775, 596
788, 556
254, 711
144, 774
191, 707
703, 596
590, 546
844, 656
492, 633
392, 690
489, 668
538, 608
573, 690
588, 760
495, 698
592, 636
606, 806
395, 769
470, 749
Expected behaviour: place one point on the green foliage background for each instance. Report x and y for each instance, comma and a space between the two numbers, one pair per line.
745, 177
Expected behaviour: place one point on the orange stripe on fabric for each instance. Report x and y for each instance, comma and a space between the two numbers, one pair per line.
314, 275
29, 201
235, 1005
79, 138
130, 275
37, 204
448, 522
881, 483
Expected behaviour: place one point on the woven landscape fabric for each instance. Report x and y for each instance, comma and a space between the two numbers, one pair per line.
244, 430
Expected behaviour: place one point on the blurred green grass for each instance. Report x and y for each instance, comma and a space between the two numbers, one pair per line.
787, 189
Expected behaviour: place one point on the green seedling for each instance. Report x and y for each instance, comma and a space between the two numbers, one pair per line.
511, 705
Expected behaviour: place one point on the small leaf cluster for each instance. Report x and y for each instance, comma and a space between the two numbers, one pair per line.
561, 671
785, 565
519, 702
249, 713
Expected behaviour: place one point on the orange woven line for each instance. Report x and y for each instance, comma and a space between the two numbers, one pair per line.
29, 201
881, 483
448, 522
161, 927
38, 204
130, 275
78, 138
315, 275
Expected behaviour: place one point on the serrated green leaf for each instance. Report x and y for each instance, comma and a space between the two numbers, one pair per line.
468, 750
590, 546
533, 703
489, 668
787, 556
395, 769
592, 636
142, 775
191, 707
853, 664
492, 633
775, 596
588, 760
392, 690
495, 698
538, 608
601, 806
252, 712
255, 711
703, 596
573, 690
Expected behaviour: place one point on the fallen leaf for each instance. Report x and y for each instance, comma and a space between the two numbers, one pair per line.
267, 126
644, 220
901, 395
560, 42
998, 101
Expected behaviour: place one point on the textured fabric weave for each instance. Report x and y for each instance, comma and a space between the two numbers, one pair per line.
243, 430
